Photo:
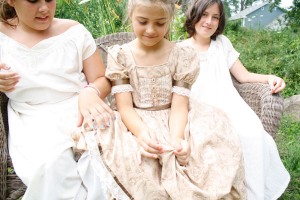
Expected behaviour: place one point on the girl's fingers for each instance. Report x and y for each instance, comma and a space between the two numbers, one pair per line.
148, 155
151, 148
9, 75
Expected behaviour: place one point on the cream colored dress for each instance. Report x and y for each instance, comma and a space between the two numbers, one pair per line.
266, 176
215, 169
43, 112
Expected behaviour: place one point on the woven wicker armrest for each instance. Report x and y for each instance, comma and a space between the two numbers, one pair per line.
11, 187
112, 39
3, 147
267, 106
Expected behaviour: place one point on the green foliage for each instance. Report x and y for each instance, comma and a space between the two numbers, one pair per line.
269, 52
100, 17
177, 30
288, 145
294, 16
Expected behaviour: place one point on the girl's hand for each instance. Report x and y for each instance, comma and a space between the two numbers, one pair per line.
149, 146
8, 79
182, 151
276, 83
93, 110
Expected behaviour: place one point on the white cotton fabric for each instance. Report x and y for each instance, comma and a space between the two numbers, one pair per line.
43, 112
266, 177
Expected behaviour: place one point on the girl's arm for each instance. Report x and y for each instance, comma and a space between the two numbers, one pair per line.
178, 116
148, 143
90, 105
177, 123
244, 76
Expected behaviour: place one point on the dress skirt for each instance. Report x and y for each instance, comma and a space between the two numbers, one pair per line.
215, 169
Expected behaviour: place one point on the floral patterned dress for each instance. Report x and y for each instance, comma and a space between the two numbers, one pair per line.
215, 169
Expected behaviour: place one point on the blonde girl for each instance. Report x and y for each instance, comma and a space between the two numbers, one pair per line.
160, 146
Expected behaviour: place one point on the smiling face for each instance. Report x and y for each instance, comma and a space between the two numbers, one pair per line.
208, 23
34, 15
150, 24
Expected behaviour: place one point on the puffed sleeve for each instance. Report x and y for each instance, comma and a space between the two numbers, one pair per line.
230, 53
186, 70
89, 45
117, 71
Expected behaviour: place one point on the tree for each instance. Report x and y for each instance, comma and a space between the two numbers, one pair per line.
294, 15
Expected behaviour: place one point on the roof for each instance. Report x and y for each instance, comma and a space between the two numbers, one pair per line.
247, 11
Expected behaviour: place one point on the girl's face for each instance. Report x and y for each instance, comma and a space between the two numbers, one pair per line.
150, 24
209, 22
34, 15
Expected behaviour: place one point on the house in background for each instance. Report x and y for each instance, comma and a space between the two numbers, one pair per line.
260, 17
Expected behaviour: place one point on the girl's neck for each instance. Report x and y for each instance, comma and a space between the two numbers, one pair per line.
151, 55
148, 49
200, 43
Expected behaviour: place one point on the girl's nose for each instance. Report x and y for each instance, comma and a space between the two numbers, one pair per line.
44, 7
150, 29
208, 20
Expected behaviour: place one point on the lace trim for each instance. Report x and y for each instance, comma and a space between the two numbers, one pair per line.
181, 91
121, 88
108, 183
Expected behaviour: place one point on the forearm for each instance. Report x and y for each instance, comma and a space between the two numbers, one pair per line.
132, 121
255, 78
179, 116
128, 114
103, 85
244, 76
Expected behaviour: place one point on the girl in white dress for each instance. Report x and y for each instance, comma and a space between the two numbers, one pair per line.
266, 177
48, 65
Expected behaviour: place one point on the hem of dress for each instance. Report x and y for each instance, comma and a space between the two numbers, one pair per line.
281, 191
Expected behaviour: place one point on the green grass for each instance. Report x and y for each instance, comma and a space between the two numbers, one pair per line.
289, 148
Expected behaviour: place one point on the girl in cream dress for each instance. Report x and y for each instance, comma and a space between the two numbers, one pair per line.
266, 176
48, 63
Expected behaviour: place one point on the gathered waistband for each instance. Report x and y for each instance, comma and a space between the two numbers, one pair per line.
155, 108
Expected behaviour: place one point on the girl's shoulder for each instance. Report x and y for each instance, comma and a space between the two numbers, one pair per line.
222, 39
59, 26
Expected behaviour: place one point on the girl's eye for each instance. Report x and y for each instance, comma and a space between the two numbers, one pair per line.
161, 24
204, 14
32, 1
142, 22
216, 17
35, 1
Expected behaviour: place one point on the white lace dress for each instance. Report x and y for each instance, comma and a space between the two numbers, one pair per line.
43, 112
266, 177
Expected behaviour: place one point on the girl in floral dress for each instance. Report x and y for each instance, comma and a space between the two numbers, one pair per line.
160, 146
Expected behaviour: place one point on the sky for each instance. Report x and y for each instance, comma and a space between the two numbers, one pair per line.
286, 3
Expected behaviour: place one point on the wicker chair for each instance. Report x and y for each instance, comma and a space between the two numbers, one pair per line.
267, 106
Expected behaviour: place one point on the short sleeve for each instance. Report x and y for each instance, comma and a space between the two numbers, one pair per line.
230, 53
116, 64
187, 68
89, 45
